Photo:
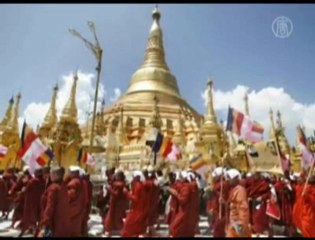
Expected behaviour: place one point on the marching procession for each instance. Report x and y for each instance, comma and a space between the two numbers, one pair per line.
56, 203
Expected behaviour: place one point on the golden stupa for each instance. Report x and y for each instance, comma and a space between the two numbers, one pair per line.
153, 100
9, 134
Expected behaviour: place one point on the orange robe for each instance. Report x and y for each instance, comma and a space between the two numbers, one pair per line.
239, 212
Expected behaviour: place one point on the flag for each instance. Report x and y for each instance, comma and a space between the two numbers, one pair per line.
284, 160
33, 152
307, 158
175, 154
199, 165
243, 126
82, 156
3, 151
166, 147
90, 160
157, 143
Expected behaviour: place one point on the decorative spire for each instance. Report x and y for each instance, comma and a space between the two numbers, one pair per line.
179, 136
121, 131
279, 120
246, 104
210, 117
8, 113
51, 116
13, 122
70, 111
154, 55
272, 133
156, 121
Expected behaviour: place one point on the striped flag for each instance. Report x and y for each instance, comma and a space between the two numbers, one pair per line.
199, 165
243, 126
33, 152
307, 157
175, 154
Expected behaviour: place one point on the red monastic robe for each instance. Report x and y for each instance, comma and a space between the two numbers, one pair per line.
136, 220
259, 189
77, 205
184, 222
118, 204
88, 190
56, 209
33, 192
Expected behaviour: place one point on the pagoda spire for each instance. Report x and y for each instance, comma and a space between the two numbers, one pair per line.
279, 120
70, 112
154, 54
8, 113
210, 117
246, 104
51, 116
13, 122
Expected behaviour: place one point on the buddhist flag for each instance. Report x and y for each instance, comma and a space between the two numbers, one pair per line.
199, 165
307, 158
175, 154
82, 156
33, 152
243, 126
3, 151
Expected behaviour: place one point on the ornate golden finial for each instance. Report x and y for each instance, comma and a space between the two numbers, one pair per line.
210, 117
121, 131
70, 111
156, 121
8, 113
51, 116
246, 104
154, 55
13, 122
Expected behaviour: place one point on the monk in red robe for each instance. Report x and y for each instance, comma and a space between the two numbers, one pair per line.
6, 204
18, 197
32, 194
184, 224
88, 186
297, 206
136, 221
258, 193
118, 204
285, 194
175, 183
153, 213
77, 202
213, 206
55, 220
238, 223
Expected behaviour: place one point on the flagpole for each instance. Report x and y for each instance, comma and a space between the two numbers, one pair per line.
308, 178
98, 52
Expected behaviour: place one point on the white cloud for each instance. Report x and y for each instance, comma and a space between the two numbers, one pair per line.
117, 94
293, 112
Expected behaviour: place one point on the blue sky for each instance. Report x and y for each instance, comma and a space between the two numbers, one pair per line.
233, 43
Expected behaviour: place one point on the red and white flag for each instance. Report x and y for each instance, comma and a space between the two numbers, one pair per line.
90, 160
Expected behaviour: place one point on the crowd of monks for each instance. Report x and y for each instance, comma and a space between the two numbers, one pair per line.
57, 203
